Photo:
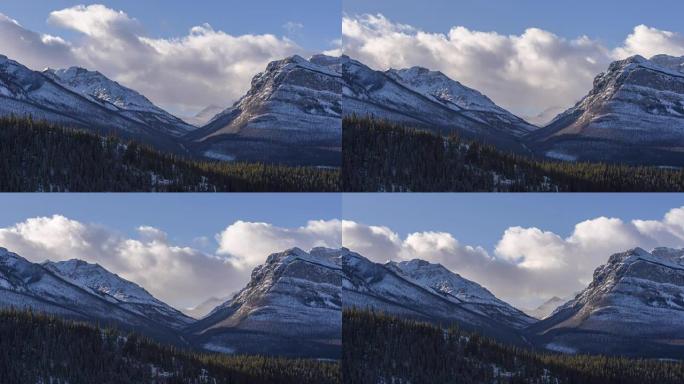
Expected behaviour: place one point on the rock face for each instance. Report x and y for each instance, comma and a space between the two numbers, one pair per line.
68, 289
633, 114
429, 292
424, 98
291, 112
633, 306
291, 306
98, 88
46, 96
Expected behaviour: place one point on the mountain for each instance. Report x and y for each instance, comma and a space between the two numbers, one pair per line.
633, 114
291, 306
98, 88
546, 308
44, 97
292, 113
461, 291
204, 116
423, 291
62, 289
204, 308
424, 98
116, 290
633, 306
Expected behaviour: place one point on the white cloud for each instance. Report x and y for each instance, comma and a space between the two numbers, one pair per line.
528, 265
183, 74
528, 73
245, 243
179, 275
35, 50
647, 41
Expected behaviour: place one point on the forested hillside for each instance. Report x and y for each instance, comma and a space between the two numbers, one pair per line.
40, 349
381, 156
384, 349
37, 156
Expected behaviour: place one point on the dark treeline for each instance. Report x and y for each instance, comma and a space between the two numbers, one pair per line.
385, 349
36, 348
38, 156
382, 156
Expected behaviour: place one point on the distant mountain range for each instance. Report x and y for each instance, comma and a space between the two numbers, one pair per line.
292, 304
291, 115
633, 115
634, 305
423, 98
81, 291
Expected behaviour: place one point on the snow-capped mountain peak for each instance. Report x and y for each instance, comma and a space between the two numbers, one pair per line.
115, 289
444, 281
110, 94
293, 105
430, 99
671, 62
98, 279
295, 293
460, 290
444, 90
633, 114
636, 297
546, 308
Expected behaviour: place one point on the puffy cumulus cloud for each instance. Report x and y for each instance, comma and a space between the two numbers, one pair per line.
246, 244
647, 41
33, 49
531, 248
530, 73
527, 265
95, 20
377, 243
183, 74
180, 276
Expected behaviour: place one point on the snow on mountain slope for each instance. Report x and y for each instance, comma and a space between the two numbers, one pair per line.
428, 292
29, 285
204, 116
112, 95
294, 102
443, 90
634, 305
546, 308
291, 305
424, 98
204, 308
462, 291
25, 92
118, 291
634, 113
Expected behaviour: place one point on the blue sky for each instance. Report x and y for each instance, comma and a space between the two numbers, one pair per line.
609, 21
481, 218
163, 19
183, 216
